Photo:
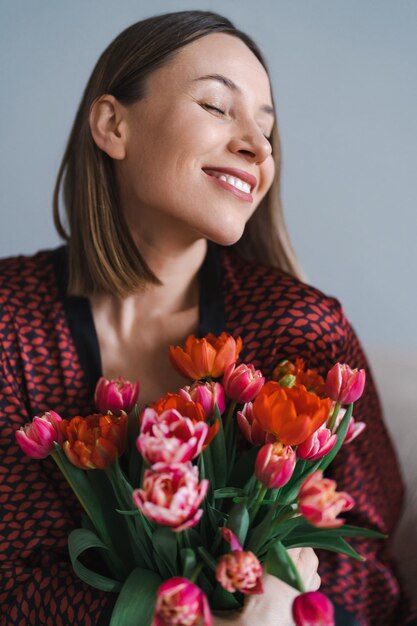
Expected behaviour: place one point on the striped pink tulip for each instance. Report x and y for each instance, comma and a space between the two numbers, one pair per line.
313, 609
37, 438
275, 465
181, 603
242, 383
170, 437
320, 503
171, 495
206, 394
238, 570
250, 427
344, 384
115, 395
354, 429
317, 445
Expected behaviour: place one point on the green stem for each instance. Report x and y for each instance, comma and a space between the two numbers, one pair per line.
259, 499
333, 416
229, 420
196, 573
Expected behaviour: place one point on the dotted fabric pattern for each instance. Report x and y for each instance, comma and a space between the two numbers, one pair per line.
277, 317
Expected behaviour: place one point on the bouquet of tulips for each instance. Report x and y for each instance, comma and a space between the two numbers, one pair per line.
192, 499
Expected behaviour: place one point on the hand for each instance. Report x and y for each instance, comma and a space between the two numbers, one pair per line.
273, 607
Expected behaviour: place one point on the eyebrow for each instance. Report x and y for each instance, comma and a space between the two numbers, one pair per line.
266, 108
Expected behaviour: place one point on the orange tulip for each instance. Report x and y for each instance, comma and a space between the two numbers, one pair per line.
310, 378
205, 357
187, 408
290, 413
95, 441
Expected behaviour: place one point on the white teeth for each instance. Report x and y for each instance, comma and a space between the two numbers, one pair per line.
232, 180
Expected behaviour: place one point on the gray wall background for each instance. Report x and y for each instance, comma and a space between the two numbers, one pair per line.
344, 74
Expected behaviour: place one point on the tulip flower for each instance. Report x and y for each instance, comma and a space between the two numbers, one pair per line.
251, 428
320, 503
345, 385
170, 437
242, 383
275, 465
207, 357
238, 570
179, 602
171, 495
354, 429
37, 438
187, 408
207, 394
95, 441
313, 609
115, 395
291, 414
317, 445
288, 374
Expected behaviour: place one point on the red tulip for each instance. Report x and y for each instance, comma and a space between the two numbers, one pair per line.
242, 383
181, 603
313, 609
207, 394
345, 385
38, 437
115, 395
275, 465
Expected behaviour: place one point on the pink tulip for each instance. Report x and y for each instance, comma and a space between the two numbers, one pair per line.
354, 429
250, 427
115, 395
320, 503
238, 570
181, 603
317, 445
171, 495
37, 438
313, 609
275, 464
242, 383
169, 437
344, 384
205, 394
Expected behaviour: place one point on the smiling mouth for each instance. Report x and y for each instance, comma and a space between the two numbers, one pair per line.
233, 184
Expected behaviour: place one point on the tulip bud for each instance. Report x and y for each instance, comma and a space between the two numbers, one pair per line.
313, 609
115, 395
275, 465
250, 427
345, 385
317, 445
242, 383
179, 602
354, 429
38, 437
239, 570
320, 503
206, 394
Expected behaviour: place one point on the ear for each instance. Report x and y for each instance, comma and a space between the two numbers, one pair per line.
106, 124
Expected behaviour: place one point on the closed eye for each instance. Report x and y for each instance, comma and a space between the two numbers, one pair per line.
213, 108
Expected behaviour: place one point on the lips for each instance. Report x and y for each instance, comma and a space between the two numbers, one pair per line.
232, 171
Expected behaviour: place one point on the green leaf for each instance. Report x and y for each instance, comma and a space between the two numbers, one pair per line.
164, 542
218, 454
304, 530
244, 468
80, 540
136, 601
334, 544
280, 564
238, 521
208, 559
222, 600
189, 562
228, 492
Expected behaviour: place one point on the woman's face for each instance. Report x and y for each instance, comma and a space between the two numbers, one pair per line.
189, 131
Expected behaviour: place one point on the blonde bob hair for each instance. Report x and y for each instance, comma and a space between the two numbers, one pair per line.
102, 255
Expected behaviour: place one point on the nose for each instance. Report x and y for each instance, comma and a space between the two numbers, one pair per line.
250, 142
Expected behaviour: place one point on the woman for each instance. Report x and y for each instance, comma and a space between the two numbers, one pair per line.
171, 189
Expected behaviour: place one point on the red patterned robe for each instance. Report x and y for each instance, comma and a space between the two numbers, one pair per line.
50, 360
